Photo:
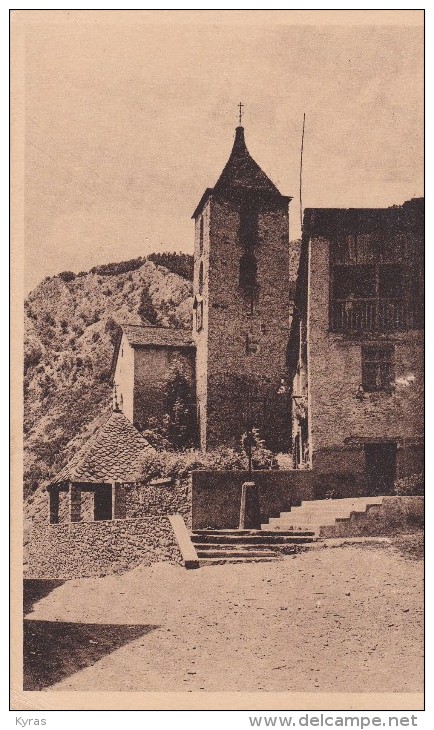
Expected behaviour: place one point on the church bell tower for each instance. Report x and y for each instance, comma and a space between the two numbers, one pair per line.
241, 304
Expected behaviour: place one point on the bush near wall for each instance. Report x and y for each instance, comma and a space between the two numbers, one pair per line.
413, 485
178, 465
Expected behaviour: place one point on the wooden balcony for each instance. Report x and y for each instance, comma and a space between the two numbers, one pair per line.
376, 315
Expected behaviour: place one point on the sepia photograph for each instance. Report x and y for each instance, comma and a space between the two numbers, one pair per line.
218, 327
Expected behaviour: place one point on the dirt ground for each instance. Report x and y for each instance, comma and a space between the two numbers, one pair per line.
345, 619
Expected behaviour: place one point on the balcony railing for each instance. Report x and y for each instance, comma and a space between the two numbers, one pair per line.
376, 315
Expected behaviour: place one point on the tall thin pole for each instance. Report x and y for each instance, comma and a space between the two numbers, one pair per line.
301, 173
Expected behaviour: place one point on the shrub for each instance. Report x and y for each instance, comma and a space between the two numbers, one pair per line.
177, 465
67, 276
32, 357
177, 263
262, 458
146, 308
112, 329
413, 485
118, 268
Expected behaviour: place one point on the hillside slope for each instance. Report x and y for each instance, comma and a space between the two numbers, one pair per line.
70, 326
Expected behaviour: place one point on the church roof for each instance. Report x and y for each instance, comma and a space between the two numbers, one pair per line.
240, 175
242, 172
112, 454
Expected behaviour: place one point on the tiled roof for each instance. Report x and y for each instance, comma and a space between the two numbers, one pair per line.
242, 172
241, 177
142, 336
112, 454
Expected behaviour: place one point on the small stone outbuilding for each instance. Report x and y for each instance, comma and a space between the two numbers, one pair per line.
91, 486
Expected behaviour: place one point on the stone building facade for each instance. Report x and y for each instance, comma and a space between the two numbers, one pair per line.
355, 353
241, 304
153, 370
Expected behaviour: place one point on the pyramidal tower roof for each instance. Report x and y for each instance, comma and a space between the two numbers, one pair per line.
241, 175
242, 172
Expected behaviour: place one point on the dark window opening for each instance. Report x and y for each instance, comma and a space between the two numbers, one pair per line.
199, 316
357, 282
380, 459
377, 368
375, 297
248, 225
390, 282
200, 277
201, 234
103, 503
54, 506
248, 270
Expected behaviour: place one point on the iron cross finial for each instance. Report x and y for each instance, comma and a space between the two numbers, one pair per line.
240, 106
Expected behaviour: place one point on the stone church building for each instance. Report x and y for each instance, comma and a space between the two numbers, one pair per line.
334, 378
235, 358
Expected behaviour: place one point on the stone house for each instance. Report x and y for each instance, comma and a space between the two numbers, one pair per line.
153, 369
355, 353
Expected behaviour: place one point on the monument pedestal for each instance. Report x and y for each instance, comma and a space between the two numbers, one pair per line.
250, 518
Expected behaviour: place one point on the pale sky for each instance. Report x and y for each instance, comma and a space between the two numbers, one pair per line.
127, 124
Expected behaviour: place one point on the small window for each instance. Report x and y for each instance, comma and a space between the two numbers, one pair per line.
249, 225
198, 309
201, 277
377, 368
201, 235
248, 270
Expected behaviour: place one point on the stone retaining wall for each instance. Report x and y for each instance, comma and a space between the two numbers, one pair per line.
92, 549
146, 500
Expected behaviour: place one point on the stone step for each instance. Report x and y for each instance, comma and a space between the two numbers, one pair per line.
222, 561
273, 538
330, 507
234, 553
344, 501
323, 513
244, 533
308, 521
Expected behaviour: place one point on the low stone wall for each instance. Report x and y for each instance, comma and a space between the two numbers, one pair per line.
92, 549
147, 500
396, 515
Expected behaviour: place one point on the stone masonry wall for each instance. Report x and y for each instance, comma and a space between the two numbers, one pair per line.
230, 326
153, 367
335, 373
146, 500
86, 550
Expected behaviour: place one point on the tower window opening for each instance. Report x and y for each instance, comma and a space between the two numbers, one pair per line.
248, 270
201, 235
248, 225
201, 277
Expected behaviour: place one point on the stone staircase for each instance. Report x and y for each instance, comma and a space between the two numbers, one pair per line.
316, 514
215, 547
